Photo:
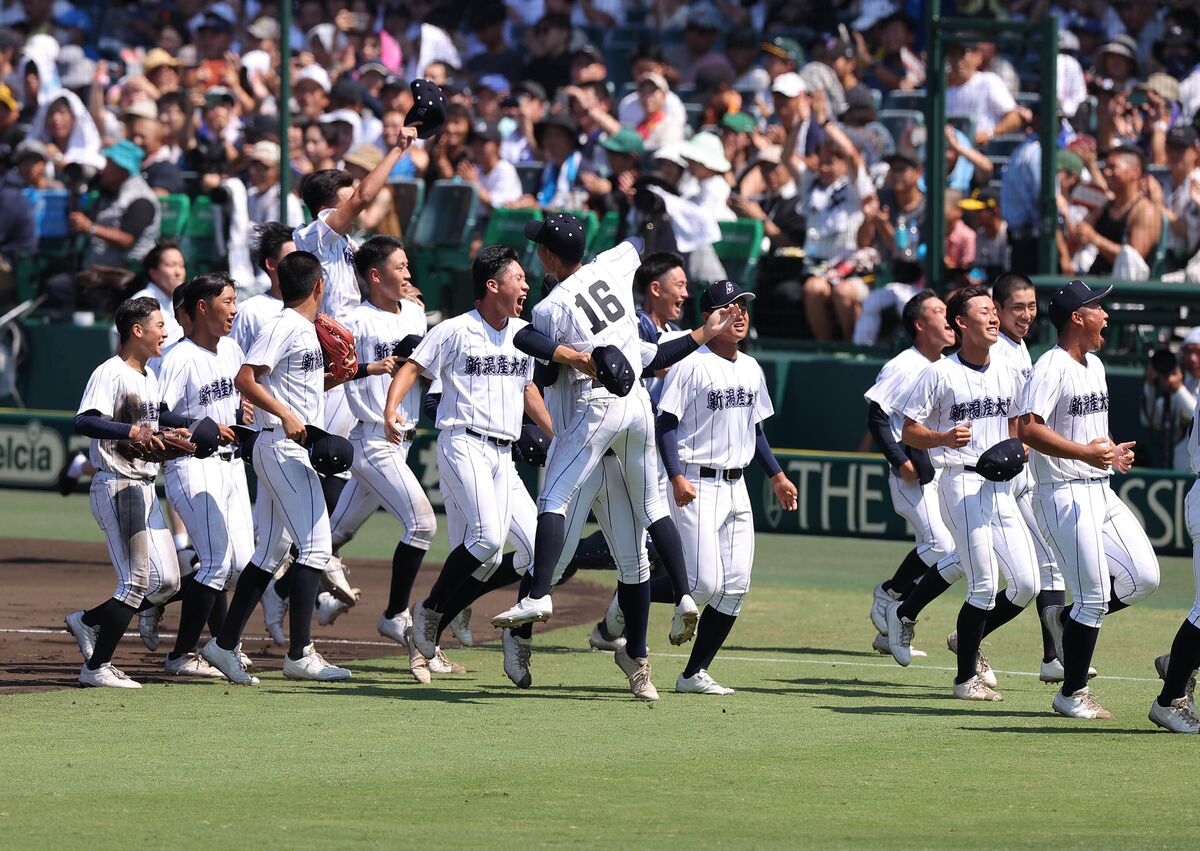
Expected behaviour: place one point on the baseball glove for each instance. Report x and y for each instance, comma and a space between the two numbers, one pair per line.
177, 443
157, 447
337, 343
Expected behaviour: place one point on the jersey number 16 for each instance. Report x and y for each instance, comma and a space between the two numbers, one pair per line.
607, 303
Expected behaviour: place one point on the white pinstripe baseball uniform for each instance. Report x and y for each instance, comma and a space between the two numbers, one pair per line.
252, 315
483, 378
718, 403
381, 472
595, 307
1192, 513
290, 505
984, 521
123, 499
172, 327
210, 494
1097, 542
1016, 354
919, 504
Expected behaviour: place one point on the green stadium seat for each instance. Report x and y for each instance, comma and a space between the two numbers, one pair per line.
175, 212
531, 177
1003, 146
739, 250
409, 197
896, 121
898, 99
606, 236
507, 227
199, 241
441, 239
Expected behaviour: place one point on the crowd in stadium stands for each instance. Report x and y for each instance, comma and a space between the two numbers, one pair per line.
674, 119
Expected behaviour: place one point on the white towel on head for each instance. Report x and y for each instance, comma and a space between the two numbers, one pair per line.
236, 247
694, 226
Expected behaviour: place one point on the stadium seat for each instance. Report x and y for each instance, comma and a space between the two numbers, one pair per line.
739, 249
409, 197
606, 235
531, 177
965, 123
1030, 100
896, 121
199, 241
1003, 146
441, 239
507, 227
175, 212
50, 208
898, 99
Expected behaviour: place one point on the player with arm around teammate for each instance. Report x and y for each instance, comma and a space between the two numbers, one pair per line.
960, 407
709, 428
283, 376
210, 494
912, 478
120, 407
1103, 552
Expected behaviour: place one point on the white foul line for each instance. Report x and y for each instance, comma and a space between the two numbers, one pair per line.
724, 658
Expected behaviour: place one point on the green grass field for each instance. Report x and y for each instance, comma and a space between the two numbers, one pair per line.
825, 743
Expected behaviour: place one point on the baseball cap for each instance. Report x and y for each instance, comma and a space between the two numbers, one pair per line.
218, 95
30, 149
366, 157
484, 131
561, 233
142, 109
704, 16
406, 346
784, 48
903, 157
789, 85
655, 79
1068, 161
772, 154
428, 112
1163, 85
265, 152
722, 293
125, 155
613, 370
982, 198
497, 83
373, 67
205, 434
349, 90
835, 47
557, 119
215, 19
157, 58
330, 453
266, 28
624, 141
313, 74
1182, 135
1070, 298
530, 88
738, 122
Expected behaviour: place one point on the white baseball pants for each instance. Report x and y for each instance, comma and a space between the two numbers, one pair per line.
1051, 578
290, 505
139, 542
1100, 547
1192, 512
920, 505
476, 475
216, 513
717, 530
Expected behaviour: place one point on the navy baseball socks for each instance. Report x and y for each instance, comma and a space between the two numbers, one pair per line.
1079, 643
246, 594
635, 604
306, 584
111, 618
711, 633
458, 567
406, 561
198, 603
906, 576
548, 545
1185, 657
472, 589
971, 624
929, 588
1044, 599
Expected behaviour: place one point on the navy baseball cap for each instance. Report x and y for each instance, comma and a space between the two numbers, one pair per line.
206, 436
428, 112
722, 293
407, 346
330, 453
613, 370
561, 233
1072, 297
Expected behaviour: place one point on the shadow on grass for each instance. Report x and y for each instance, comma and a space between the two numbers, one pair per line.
1072, 730
804, 651
849, 688
475, 695
993, 709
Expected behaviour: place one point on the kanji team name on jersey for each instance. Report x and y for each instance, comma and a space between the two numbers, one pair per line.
1090, 403
978, 409
313, 359
134, 410
221, 388
731, 397
495, 365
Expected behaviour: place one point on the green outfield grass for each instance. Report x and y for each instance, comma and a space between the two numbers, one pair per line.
825, 743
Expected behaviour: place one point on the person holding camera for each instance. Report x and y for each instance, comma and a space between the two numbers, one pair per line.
1169, 404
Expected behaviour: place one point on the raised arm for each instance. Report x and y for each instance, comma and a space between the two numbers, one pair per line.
342, 218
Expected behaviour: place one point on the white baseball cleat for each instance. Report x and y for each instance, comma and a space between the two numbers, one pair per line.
1051, 672
191, 665
982, 667
1161, 665
880, 644
683, 622
106, 676
614, 618
395, 627
900, 635
246, 661
516, 658
601, 639
638, 671
418, 665
1082, 704
228, 663
329, 608
879, 603
439, 664
85, 636
700, 683
148, 626
425, 630
1051, 617
527, 610
274, 611
976, 689
461, 627
335, 580
312, 666
1179, 717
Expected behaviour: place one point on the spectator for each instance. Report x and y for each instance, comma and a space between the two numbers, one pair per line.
1182, 206
965, 166
959, 254
833, 210
590, 107
521, 112
742, 48
993, 62
1020, 185
979, 95
221, 128
1168, 407
894, 226
674, 168
311, 89
615, 192
656, 127
1126, 230
349, 97
262, 195
588, 66
896, 65
630, 111
1071, 86
836, 68
489, 91
982, 214
495, 178
561, 187
781, 55
143, 128
704, 25
17, 234
414, 160
793, 124
67, 130
449, 148
174, 114
860, 123
705, 156
162, 70
549, 62
165, 271
320, 142
735, 130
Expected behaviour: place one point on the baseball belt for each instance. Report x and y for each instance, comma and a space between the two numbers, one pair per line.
727, 475
502, 442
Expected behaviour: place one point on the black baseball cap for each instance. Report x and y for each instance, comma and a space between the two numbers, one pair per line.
561, 233
613, 370
1072, 297
428, 112
407, 346
722, 293
206, 436
1183, 136
330, 453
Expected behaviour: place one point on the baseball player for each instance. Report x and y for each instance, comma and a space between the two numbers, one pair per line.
958, 408
210, 494
486, 382
913, 479
272, 242
1175, 709
165, 270
283, 376
593, 306
120, 407
381, 473
710, 427
1102, 551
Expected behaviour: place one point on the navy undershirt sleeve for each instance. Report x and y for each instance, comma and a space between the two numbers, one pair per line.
763, 454
100, 428
670, 353
665, 428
